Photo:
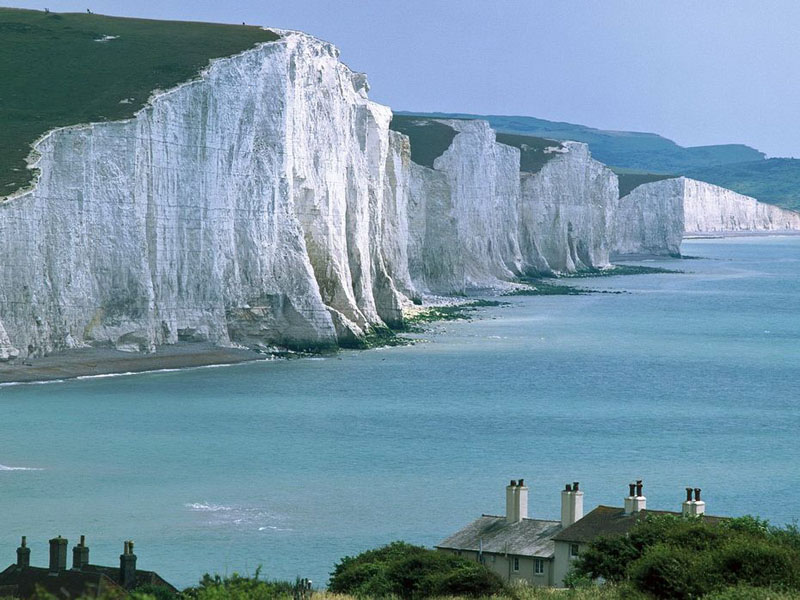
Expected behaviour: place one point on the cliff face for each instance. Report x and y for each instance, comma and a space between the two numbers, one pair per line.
649, 220
268, 203
653, 218
243, 208
481, 222
710, 208
567, 213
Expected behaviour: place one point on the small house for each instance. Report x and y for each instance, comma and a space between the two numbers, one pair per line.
21, 580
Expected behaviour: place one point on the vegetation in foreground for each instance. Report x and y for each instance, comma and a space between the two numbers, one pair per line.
663, 557
404, 571
679, 558
61, 69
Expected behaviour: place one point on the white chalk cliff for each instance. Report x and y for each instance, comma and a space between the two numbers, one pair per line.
653, 218
267, 203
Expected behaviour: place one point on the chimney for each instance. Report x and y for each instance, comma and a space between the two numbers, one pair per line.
58, 554
693, 507
80, 554
571, 504
522, 500
635, 501
516, 501
24, 553
127, 567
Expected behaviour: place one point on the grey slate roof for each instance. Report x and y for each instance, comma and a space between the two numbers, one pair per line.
529, 537
610, 521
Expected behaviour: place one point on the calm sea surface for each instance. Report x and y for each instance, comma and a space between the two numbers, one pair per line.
687, 379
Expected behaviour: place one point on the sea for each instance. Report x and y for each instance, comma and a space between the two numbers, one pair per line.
680, 379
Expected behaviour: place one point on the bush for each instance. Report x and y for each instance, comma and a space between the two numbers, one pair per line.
237, 587
667, 572
758, 563
676, 557
408, 571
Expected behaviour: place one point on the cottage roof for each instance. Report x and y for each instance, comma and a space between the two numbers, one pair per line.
91, 581
142, 577
22, 582
610, 521
529, 537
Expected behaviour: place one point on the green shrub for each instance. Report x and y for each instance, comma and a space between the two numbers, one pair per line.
667, 572
676, 557
407, 571
758, 563
237, 587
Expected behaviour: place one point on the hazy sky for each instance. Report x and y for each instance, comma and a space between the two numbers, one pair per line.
699, 71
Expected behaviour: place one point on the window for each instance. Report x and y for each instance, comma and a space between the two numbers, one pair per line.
516, 563
573, 549
538, 566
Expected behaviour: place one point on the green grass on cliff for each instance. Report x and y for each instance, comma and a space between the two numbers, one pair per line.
631, 178
429, 139
535, 152
60, 69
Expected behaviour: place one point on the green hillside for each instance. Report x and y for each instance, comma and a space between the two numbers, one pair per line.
534, 152
429, 139
69, 68
639, 158
776, 180
630, 179
632, 150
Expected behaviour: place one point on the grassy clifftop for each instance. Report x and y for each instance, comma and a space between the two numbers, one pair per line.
64, 69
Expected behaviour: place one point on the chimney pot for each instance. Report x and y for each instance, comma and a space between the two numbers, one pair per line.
58, 554
688, 494
639, 487
697, 494
127, 567
571, 504
521, 482
24, 553
632, 489
513, 483
80, 555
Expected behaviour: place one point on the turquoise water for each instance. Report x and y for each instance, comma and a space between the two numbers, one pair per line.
687, 379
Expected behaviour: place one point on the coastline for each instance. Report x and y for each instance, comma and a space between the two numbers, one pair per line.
94, 362
713, 235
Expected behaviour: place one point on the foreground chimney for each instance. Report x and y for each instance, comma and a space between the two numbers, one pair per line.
635, 501
24, 553
571, 504
58, 554
693, 507
516, 501
127, 567
80, 554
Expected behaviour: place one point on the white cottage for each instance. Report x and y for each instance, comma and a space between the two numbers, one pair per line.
514, 546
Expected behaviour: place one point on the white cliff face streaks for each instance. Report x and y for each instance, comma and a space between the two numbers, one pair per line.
243, 208
494, 223
567, 213
649, 220
483, 177
268, 204
653, 218
710, 208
